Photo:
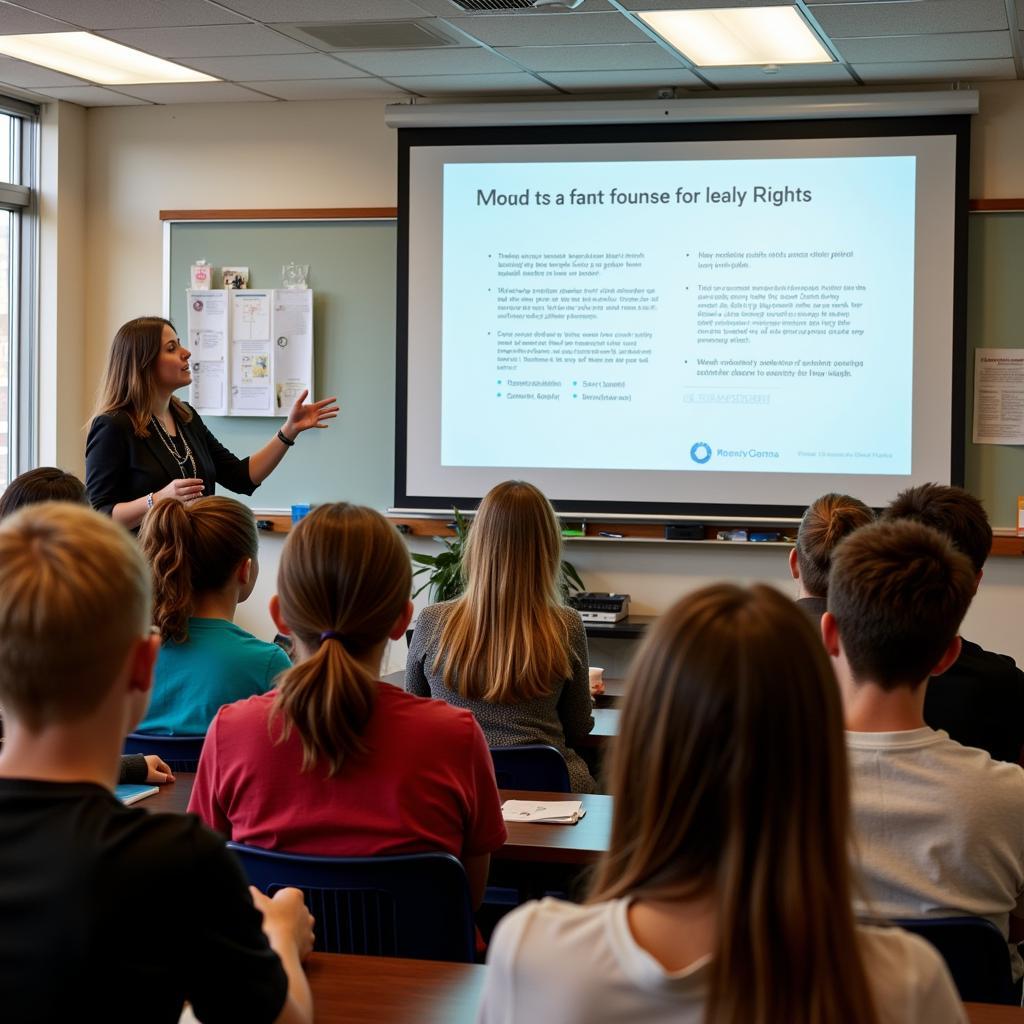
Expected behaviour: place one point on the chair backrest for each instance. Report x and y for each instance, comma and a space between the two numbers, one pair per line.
415, 905
976, 954
538, 767
180, 752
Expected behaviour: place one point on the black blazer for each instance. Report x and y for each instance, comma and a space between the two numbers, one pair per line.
121, 466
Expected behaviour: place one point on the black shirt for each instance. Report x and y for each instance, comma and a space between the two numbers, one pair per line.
110, 913
980, 702
120, 466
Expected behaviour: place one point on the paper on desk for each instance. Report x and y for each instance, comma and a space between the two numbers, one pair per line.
999, 396
550, 812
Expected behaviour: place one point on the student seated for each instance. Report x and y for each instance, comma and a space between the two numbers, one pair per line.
979, 699
336, 762
109, 912
509, 650
939, 826
724, 897
47, 483
204, 559
823, 525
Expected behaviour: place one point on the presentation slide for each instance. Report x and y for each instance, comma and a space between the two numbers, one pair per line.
651, 325
713, 309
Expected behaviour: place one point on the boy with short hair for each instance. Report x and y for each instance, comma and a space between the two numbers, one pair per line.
938, 825
104, 908
979, 700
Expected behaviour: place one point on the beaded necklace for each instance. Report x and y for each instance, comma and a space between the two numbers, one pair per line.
172, 447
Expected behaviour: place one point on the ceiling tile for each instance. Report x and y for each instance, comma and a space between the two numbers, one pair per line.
788, 74
117, 14
30, 76
936, 71
93, 96
612, 81
550, 29
840, 21
330, 89
462, 61
612, 57
17, 21
447, 9
285, 67
473, 85
208, 41
326, 10
193, 92
940, 46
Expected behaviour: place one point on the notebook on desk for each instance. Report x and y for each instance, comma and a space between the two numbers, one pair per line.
129, 794
546, 812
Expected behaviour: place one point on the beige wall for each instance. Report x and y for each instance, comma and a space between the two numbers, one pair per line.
140, 160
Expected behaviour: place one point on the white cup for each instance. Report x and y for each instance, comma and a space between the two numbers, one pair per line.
596, 681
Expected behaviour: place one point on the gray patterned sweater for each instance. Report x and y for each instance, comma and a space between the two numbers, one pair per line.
561, 717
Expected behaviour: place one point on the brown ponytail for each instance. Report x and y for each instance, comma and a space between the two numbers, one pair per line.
345, 572
825, 523
193, 549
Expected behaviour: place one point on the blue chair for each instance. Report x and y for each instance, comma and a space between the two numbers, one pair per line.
975, 953
537, 767
180, 752
415, 905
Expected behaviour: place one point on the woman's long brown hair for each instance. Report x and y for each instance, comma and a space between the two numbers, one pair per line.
505, 640
729, 777
193, 549
129, 385
344, 570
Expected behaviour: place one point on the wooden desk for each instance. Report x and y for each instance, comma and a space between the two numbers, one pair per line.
383, 990
373, 990
575, 845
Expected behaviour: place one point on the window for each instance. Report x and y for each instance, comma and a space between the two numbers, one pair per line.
18, 233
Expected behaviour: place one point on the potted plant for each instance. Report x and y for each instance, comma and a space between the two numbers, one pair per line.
444, 570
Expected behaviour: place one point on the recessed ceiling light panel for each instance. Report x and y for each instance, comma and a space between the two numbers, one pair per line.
96, 59
739, 36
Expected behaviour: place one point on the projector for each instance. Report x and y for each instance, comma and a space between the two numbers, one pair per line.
595, 606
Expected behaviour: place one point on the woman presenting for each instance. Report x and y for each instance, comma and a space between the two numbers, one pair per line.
145, 445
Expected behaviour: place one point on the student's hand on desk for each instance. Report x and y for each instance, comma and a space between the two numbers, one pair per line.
157, 772
286, 915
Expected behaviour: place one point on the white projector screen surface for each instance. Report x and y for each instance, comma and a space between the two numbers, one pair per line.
738, 324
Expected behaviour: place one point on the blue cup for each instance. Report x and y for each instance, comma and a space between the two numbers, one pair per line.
299, 512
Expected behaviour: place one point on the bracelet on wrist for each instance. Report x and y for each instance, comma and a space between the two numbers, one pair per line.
149, 501
284, 440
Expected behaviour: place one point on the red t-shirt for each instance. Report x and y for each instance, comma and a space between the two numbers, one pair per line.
426, 782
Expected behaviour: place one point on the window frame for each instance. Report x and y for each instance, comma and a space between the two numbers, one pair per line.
22, 199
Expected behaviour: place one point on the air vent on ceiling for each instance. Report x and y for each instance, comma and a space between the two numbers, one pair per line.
513, 5
372, 35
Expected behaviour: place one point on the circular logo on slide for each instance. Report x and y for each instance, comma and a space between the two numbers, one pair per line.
701, 452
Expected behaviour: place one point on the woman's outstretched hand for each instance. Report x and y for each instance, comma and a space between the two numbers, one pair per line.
306, 415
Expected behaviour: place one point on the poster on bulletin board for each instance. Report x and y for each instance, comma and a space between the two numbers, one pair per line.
252, 350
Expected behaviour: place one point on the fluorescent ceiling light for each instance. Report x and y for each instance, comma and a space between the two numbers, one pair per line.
737, 36
96, 59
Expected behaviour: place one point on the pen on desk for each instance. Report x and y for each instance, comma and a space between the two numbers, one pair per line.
608, 533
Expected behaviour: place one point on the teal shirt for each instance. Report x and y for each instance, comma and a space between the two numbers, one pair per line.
218, 664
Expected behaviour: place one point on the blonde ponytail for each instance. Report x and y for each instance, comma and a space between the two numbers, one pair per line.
343, 581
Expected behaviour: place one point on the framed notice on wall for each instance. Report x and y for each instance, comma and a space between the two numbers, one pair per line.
252, 350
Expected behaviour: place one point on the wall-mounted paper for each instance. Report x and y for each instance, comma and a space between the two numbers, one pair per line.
293, 346
208, 342
999, 396
251, 382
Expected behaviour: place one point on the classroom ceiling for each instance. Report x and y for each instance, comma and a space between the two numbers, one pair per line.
266, 50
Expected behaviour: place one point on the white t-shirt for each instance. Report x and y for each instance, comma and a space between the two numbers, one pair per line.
939, 828
559, 963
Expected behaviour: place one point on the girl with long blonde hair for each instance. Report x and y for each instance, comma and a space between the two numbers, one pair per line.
508, 649
725, 894
337, 762
204, 561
